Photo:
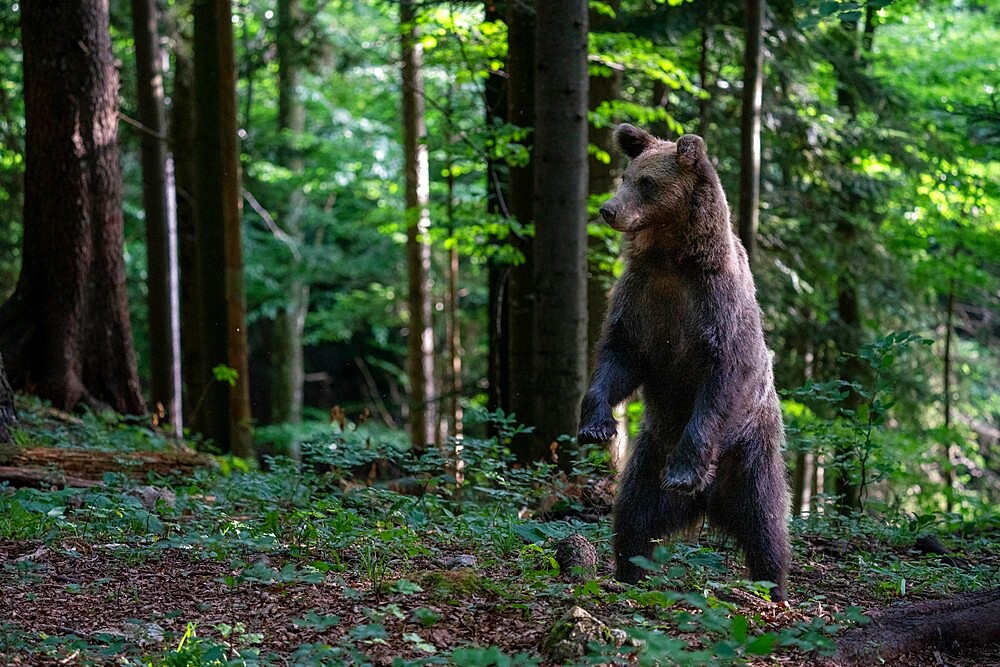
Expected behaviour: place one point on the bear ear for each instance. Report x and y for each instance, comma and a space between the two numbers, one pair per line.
690, 149
631, 140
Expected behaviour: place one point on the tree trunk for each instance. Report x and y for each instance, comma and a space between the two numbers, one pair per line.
219, 213
947, 465
161, 224
495, 99
453, 330
520, 282
8, 415
600, 182
560, 322
849, 328
287, 368
753, 77
420, 359
704, 52
65, 332
194, 372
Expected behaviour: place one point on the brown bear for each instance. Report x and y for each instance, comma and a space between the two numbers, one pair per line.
684, 326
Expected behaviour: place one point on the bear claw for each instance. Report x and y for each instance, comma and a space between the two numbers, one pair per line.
597, 433
684, 480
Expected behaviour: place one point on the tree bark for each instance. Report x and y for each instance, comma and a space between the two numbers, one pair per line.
65, 333
753, 77
495, 101
161, 223
947, 466
967, 619
849, 332
195, 375
601, 178
420, 360
219, 212
560, 321
8, 415
520, 282
287, 368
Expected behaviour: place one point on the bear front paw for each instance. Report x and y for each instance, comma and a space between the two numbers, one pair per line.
685, 478
597, 432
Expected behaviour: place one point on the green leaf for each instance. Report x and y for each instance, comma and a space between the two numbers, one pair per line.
739, 628
763, 644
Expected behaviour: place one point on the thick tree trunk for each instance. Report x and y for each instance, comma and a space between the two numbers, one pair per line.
219, 214
753, 77
520, 282
65, 332
420, 360
287, 369
161, 223
560, 322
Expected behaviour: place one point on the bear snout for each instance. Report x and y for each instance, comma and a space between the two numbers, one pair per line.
608, 213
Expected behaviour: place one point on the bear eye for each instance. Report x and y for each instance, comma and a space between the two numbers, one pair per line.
646, 183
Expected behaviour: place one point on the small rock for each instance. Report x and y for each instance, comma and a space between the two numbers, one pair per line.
461, 560
567, 640
150, 495
576, 551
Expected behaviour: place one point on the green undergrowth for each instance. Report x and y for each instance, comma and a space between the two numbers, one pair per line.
381, 559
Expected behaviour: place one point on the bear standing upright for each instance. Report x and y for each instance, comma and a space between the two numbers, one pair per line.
684, 325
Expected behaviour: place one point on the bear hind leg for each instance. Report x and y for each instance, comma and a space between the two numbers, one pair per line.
644, 512
751, 504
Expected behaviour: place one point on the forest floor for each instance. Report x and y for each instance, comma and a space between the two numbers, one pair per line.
304, 566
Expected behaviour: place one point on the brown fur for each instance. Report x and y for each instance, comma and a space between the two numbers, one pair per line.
684, 326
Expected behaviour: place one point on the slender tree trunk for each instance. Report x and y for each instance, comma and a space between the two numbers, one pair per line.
219, 205
495, 102
65, 332
161, 223
753, 77
420, 361
560, 321
194, 373
287, 368
520, 283
849, 334
704, 53
453, 331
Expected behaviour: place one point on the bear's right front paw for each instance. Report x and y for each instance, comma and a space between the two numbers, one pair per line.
595, 433
685, 478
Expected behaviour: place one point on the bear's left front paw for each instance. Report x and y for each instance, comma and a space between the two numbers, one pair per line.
685, 478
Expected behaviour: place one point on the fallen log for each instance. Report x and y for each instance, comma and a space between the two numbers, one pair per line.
37, 478
964, 620
93, 463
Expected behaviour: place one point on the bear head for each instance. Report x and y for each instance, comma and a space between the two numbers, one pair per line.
657, 185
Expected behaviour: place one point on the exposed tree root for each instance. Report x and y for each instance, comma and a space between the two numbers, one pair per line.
967, 619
